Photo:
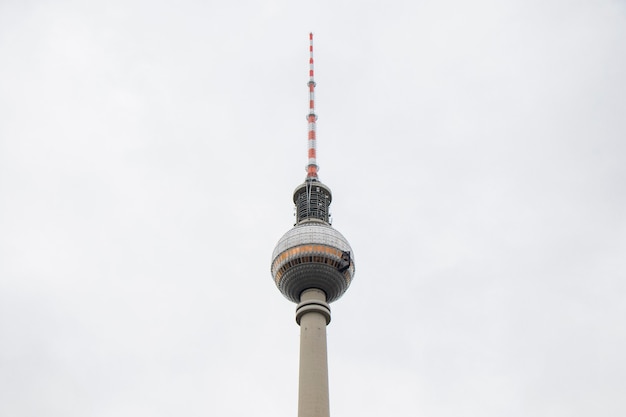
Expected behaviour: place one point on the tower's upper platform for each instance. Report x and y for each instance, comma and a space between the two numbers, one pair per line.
312, 200
312, 255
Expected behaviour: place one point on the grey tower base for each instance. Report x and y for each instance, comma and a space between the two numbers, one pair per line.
313, 314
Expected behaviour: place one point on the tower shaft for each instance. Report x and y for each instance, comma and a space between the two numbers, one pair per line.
313, 314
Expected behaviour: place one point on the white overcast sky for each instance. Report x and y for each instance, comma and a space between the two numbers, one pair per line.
477, 157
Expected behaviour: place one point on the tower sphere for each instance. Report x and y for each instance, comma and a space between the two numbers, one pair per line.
312, 255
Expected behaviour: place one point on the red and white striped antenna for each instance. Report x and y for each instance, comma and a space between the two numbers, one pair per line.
312, 167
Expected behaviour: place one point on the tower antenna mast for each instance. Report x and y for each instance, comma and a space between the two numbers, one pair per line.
311, 117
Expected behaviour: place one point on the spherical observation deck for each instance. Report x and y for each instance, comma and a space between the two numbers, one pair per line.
312, 255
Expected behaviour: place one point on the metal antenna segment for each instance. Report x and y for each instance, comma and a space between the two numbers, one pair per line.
312, 118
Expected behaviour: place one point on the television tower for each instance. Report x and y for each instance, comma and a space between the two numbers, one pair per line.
312, 265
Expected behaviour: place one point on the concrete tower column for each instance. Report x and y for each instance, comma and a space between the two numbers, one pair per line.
313, 314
